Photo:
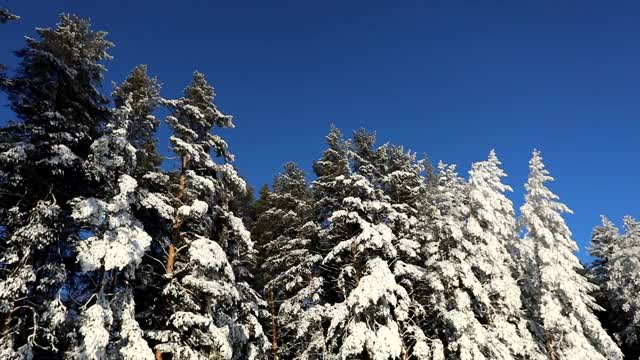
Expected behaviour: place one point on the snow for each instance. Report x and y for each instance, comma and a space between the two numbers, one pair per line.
62, 156
156, 177
194, 211
119, 239
185, 321
16, 154
95, 336
90, 210
238, 228
382, 340
193, 111
200, 183
117, 249
135, 347
127, 184
199, 209
209, 255
230, 174
159, 203
184, 148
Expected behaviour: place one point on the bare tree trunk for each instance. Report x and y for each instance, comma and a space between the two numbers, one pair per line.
551, 350
405, 354
354, 261
274, 326
171, 259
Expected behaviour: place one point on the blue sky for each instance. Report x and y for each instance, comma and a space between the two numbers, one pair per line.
452, 79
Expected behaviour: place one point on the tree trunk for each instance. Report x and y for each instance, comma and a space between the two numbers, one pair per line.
405, 354
171, 259
551, 350
354, 261
175, 230
274, 329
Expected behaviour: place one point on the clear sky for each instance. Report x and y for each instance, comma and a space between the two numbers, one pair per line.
452, 79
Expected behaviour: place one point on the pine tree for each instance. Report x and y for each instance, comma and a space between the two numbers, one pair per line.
118, 241
142, 94
334, 163
458, 303
207, 310
402, 180
371, 311
55, 95
290, 258
604, 239
622, 287
491, 227
260, 204
560, 301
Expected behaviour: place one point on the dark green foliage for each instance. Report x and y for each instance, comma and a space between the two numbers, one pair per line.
55, 96
6, 15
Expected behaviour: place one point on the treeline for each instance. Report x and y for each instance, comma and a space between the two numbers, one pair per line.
106, 255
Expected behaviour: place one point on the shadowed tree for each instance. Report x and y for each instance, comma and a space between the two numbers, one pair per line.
55, 95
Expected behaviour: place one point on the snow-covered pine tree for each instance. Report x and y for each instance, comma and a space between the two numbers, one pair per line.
55, 96
370, 321
559, 295
289, 248
107, 327
456, 297
491, 228
334, 163
119, 161
604, 239
402, 180
623, 287
207, 309
141, 93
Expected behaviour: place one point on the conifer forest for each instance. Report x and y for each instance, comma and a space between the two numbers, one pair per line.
106, 253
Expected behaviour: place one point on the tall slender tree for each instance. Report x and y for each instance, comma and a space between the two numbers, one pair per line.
491, 227
604, 240
371, 312
290, 252
207, 310
141, 93
55, 96
402, 180
458, 303
109, 258
117, 241
559, 295
622, 287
